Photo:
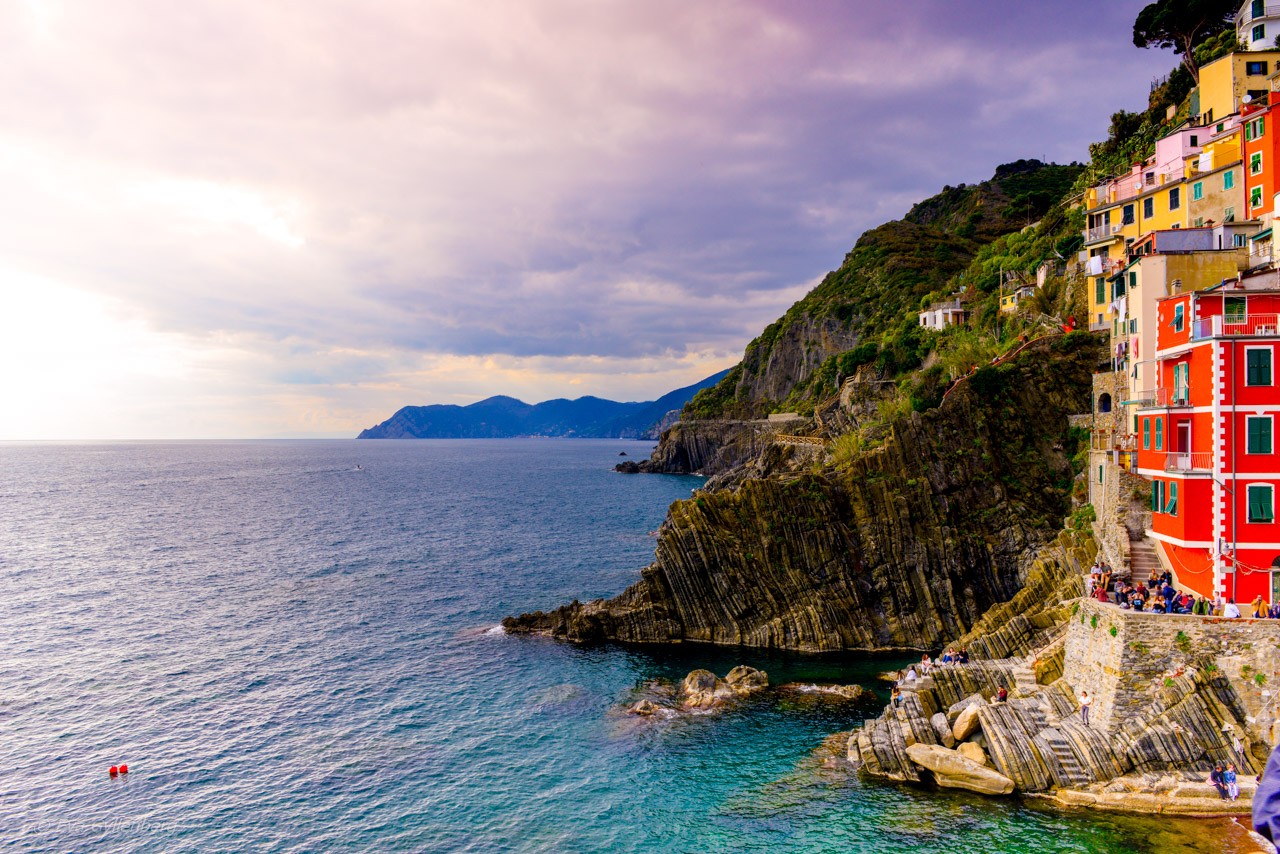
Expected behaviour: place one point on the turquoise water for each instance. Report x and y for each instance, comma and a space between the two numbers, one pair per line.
291, 645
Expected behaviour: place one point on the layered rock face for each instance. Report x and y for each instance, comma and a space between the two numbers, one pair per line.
902, 547
1173, 695
704, 447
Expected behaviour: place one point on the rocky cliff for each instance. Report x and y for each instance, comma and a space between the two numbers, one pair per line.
1172, 694
906, 545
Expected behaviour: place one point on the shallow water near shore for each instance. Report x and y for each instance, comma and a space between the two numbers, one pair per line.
291, 645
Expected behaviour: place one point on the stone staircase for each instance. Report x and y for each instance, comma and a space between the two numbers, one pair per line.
1024, 678
1143, 559
1063, 763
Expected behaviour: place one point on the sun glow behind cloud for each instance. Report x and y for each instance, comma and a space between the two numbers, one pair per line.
245, 219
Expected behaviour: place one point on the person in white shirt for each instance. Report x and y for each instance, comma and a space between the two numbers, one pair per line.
1230, 609
1085, 702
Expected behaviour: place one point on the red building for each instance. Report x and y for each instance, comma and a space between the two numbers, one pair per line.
1207, 439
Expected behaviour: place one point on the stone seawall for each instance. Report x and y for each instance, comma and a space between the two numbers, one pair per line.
1117, 668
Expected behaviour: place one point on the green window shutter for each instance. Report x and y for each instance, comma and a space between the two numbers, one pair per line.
1177, 318
1258, 368
1171, 506
1146, 434
1197, 191
1099, 474
1259, 436
1228, 179
1100, 291
1260, 509
1159, 434
1157, 495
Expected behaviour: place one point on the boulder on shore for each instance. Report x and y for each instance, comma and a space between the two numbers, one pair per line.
953, 770
702, 689
967, 723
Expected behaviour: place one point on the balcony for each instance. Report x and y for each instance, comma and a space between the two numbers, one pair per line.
1102, 232
1260, 325
1188, 461
1162, 397
1113, 440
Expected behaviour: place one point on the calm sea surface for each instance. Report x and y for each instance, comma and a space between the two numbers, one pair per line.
287, 643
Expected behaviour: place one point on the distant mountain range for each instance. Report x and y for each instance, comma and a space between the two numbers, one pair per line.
505, 417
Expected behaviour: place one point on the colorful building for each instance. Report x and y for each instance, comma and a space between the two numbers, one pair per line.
1165, 263
940, 315
1260, 153
1228, 80
1206, 438
1258, 24
1215, 176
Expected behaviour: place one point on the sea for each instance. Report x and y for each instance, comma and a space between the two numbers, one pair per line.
294, 647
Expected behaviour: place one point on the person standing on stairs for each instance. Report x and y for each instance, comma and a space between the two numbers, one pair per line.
1085, 702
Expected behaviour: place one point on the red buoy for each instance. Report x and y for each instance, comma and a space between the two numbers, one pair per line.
113, 770
124, 769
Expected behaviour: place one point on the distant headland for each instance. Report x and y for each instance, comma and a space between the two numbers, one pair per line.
505, 417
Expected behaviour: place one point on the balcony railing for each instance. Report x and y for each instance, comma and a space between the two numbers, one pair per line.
1113, 440
1220, 327
1162, 397
1102, 232
1187, 461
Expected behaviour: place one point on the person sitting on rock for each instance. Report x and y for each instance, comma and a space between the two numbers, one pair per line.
1159, 606
1002, 695
911, 677
1137, 601
896, 696
925, 664
1259, 607
962, 657
947, 658
1217, 779
1101, 594
1230, 610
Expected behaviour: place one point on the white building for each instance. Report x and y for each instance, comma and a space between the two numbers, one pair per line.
1258, 24
940, 315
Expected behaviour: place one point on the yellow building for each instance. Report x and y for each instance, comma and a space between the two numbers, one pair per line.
1113, 226
1228, 79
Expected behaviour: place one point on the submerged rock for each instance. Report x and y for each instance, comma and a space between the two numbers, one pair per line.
954, 770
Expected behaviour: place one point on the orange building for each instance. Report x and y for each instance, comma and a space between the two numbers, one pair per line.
1261, 150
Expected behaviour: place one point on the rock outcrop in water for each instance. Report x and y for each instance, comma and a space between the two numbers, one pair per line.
904, 546
1172, 693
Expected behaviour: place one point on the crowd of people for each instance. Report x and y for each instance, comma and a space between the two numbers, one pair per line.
1157, 595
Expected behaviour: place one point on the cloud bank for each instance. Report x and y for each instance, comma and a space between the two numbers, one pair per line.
292, 218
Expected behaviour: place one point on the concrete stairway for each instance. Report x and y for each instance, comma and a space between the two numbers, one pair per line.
1143, 559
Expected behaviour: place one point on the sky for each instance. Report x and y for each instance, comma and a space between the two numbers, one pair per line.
240, 219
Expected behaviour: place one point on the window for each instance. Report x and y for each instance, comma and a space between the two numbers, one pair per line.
1233, 309
1257, 8
1159, 434
1257, 366
1255, 197
1148, 208
1195, 141
1255, 129
1255, 163
1146, 434
1119, 288
1133, 326
1229, 215
1100, 291
1261, 504
1182, 382
1259, 33
1175, 198
1157, 496
1126, 218
1237, 240
1229, 179
1178, 318
1197, 191
1171, 506
1258, 430
1099, 474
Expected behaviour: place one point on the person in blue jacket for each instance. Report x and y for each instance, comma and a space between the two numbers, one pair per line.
1266, 800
